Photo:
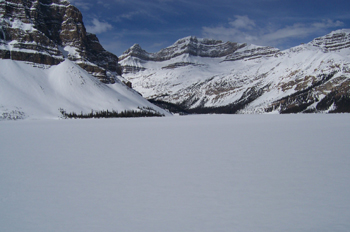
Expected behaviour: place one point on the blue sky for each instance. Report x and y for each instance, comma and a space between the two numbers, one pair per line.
156, 24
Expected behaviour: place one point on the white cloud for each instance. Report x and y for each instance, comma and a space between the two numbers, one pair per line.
300, 30
104, 4
244, 29
130, 15
98, 27
242, 22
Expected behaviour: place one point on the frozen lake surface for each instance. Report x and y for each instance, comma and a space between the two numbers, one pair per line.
205, 173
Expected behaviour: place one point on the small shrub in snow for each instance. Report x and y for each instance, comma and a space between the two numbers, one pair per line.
13, 115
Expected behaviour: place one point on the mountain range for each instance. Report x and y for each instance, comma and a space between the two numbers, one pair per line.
210, 76
50, 64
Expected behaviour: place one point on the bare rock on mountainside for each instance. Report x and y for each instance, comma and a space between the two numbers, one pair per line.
211, 76
47, 32
198, 47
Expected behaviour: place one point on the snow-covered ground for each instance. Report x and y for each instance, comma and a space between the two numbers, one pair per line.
204, 173
39, 92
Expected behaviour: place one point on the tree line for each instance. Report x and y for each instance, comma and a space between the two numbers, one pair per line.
112, 114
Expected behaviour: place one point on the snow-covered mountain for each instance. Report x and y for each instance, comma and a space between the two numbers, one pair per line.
47, 32
39, 91
49, 63
210, 76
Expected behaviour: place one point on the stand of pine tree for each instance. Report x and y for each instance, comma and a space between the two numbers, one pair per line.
112, 114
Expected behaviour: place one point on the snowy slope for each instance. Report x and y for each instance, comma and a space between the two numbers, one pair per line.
244, 173
250, 79
39, 91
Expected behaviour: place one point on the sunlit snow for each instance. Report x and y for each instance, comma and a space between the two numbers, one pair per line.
39, 91
242, 173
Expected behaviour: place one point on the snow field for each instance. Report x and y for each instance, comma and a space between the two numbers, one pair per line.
195, 173
40, 92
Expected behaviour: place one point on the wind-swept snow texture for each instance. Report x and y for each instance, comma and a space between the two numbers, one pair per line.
39, 92
242, 173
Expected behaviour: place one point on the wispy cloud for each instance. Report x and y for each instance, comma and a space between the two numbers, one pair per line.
130, 15
98, 27
300, 30
104, 4
158, 45
244, 29
242, 22
151, 8
81, 4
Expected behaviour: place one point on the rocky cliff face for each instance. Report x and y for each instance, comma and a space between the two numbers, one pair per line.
195, 47
334, 41
208, 76
47, 32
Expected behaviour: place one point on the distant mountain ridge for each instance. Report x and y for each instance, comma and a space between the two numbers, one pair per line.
211, 76
199, 47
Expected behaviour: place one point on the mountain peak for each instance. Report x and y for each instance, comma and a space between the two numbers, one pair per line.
334, 41
190, 45
188, 39
135, 51
195, 40
135, 46
49, 31
201, 47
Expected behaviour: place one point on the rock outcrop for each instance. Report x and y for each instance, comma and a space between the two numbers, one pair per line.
193, 46
47, 32
334, 41
190, 45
